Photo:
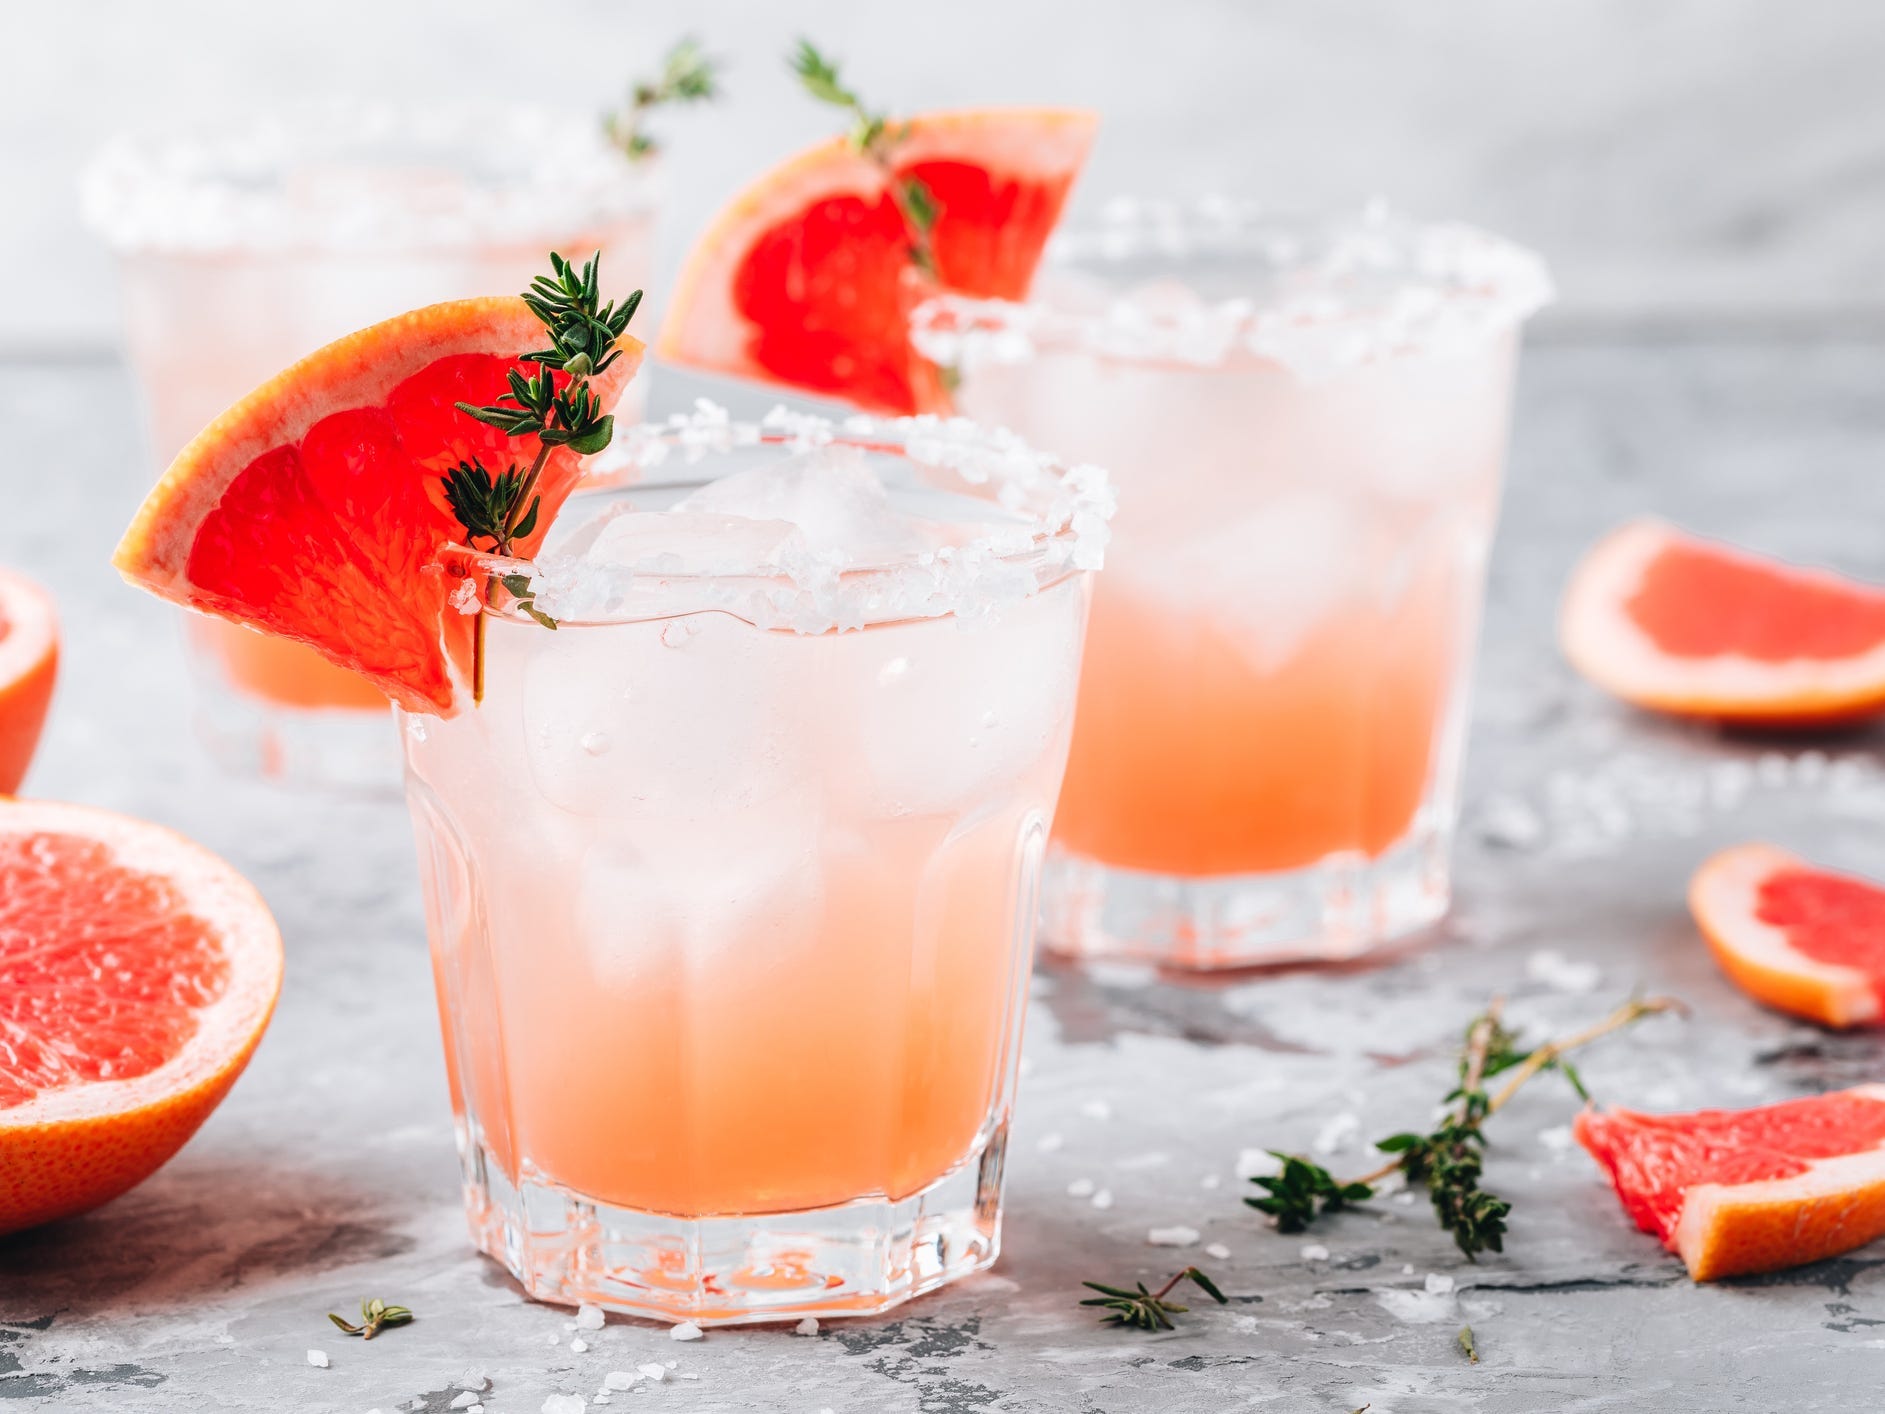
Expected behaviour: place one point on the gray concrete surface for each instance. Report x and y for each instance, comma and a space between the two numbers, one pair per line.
329, 1173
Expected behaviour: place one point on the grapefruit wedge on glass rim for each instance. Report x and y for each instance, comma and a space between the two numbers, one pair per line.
29, 661
1801, 939
1676, 623
1757, 1190
137, 972
806, 279
315, 507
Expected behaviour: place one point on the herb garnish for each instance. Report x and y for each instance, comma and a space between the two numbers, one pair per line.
375, 1316
498, 510
875, 136
688, 75
1466, 1344
1449, 1159
1144, 1310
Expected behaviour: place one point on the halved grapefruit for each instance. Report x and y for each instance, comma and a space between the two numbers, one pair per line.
1680, 624
137, 972
1757, 1190
1803, 940
29, 660
315, 508
805, 277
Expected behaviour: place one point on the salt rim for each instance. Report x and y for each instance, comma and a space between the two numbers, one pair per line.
1061, 529
514, 172
1342, 291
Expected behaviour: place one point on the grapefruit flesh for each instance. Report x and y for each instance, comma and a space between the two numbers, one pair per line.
1756, 1190
29, 661
805, 278
137, 972
1803, 940
315, 509
1680, 624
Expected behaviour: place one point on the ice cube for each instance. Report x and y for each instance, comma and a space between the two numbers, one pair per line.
839, 506
964, 707
690, 542
669, 720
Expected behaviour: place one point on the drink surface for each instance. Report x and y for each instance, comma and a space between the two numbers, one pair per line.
737, 919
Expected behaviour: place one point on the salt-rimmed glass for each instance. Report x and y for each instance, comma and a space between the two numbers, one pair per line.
242, 248
1306, 420
731, 879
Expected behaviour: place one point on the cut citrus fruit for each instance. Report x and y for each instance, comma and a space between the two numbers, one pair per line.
1757, 1190
1803, 940
137, 972
315, 507
29, 660
806, 279
1679, 624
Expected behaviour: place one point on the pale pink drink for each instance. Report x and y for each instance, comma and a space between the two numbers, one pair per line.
245, 248
1307, 424
731, 878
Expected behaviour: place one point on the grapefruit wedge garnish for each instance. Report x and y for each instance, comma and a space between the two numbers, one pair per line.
1680, 624
315, 507
1757, 1190
1803, 940
29, 660
806, 277
137, 972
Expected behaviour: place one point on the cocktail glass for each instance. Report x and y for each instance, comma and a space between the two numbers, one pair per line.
241, 251
731, 879
1306, 420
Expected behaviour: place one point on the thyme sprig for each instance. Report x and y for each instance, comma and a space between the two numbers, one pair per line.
876, 136
1449, 1159
375, 1316
688, 75
501, 508
1136, 1308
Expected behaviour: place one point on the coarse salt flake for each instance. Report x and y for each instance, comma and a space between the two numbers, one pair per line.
564, 1404
808, 1326
588, 1318
578, 1345
1080, 1188
686, 1330
1172, 1236
1314, 1252
1218, 1251
318, 1359
654, 1370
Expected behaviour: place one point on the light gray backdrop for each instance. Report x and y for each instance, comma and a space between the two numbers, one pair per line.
1714, 162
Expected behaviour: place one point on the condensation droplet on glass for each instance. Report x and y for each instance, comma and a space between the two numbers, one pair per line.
596, 743
892, 670
676, 634
989, 718
415, 729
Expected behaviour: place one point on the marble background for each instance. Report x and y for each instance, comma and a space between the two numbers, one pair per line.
1682, 162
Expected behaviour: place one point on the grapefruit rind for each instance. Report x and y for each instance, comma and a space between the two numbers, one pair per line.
705, 329
1724, 898
70, 1149
29, 662
1607, 646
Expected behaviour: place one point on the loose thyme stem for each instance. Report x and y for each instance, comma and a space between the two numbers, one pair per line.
1631, 1011
1478, 1043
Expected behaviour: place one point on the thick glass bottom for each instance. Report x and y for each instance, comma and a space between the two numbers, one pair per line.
1344, 906
343, 750
855, 1259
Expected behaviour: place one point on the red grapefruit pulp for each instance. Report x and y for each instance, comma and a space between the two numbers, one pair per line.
315, 509
1756, 1190
137, 972
1680, 624
806, 277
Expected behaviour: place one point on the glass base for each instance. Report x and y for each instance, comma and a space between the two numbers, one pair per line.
347, 751
1344, 906
855, 1259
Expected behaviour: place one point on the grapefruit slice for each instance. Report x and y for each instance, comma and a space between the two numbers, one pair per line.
137, 972
29, 660
315, 507
805, 278
1803, 940
1679, 624
1757, 1190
